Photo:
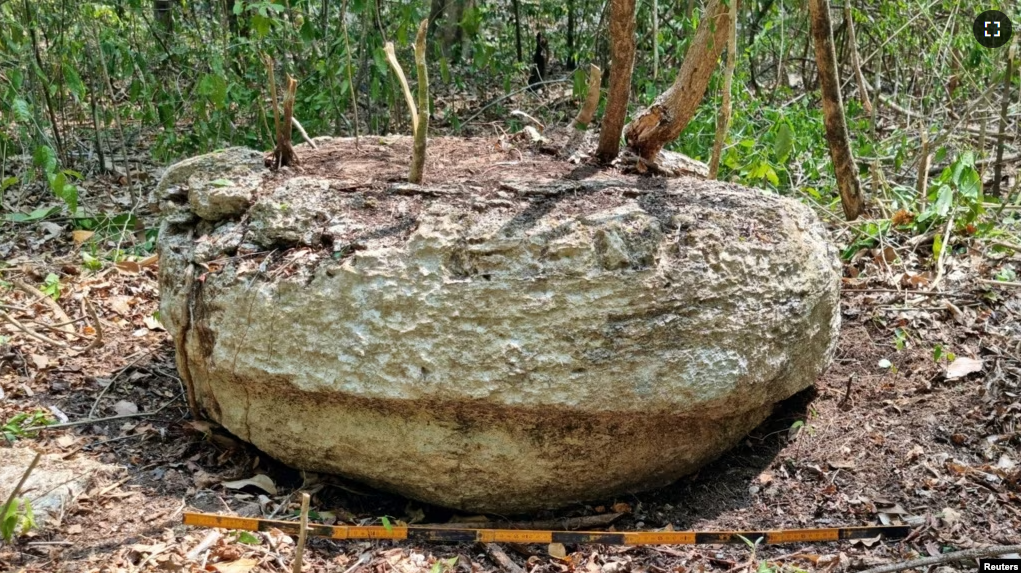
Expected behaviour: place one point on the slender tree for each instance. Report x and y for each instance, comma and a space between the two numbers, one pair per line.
833, 111
622, 54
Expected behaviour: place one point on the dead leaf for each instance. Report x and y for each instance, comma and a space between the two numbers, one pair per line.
130, 267
261, 481
152, 324
240, 566
951, 516
65, 441
962, 366
40, 361
621, 507
557, 550
74, 529
80, 236
120, 304
765, 478
125, 408
916, 452
204, 480
149, 261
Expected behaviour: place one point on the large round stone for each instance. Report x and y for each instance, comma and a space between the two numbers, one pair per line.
518, 345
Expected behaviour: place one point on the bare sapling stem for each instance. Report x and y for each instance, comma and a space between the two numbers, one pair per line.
588, 109
422, 125
723, 120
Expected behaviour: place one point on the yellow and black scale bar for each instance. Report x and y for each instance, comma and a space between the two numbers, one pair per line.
448, 535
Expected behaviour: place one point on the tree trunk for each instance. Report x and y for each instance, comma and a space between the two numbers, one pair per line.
723, 119
517, 29
572, 61
833, 111
622, 54
664, 120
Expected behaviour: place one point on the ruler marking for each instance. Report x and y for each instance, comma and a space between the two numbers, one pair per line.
442, 534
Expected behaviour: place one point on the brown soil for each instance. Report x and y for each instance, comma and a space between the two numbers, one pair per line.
877, 442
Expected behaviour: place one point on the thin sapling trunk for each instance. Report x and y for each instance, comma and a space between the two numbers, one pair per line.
622, 56
844, 167
723, 120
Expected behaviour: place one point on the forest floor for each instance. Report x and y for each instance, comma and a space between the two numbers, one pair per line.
916, 422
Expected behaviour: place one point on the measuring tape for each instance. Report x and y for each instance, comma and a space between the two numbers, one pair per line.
451, 535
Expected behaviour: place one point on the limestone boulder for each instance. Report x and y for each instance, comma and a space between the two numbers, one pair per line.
494, 344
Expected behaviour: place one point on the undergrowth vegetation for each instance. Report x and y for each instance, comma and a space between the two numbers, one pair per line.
87, 87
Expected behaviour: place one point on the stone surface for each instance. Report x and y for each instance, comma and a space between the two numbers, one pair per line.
547, 348
54, 485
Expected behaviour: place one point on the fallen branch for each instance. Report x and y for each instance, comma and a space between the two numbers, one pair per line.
98, 340
57, 310
90, 421
501, 558
945, 558
303, 133
206, 543
999, 283
528, 118
31, 332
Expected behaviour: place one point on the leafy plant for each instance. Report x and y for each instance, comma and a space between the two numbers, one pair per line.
900, 338
444, 565
15, 427
51, 286
17, 519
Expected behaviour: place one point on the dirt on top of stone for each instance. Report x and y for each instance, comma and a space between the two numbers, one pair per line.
347, 195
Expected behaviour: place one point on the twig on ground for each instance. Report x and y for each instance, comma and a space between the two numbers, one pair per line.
501, 558
896, 291
31, 332
299, 549
57, 310
528, 118
999, 283
206, 543
945, 558
98, 340
107, 419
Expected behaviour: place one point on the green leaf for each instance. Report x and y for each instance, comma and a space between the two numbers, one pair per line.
249, 538
937, 351
386, 524
215, 88
21, 110
970, 183
944, 200
45, 159
937, 245
784, 142
771, 176
65, 192
38, 214
221, 183
239, 7
7, 183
